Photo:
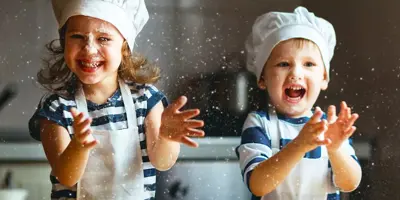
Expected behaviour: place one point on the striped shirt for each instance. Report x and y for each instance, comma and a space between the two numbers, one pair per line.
108, 116
255, 146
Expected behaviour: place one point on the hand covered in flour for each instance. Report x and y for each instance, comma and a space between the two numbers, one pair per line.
82, 131
309, 136
178, 125
340, 127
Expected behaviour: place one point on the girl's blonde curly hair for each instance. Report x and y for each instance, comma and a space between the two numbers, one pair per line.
58, 78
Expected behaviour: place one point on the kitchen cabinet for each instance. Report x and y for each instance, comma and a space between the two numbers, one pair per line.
33, 177
202, 180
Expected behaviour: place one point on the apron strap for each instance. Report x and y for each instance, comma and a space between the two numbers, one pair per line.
273, 129
128, 103
80, 99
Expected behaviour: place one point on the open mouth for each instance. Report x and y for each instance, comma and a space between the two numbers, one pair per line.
90, 66
295, 93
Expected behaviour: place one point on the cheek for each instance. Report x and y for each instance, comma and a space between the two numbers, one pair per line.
70, 50
274, 89
114, 55
275, 79
68, 56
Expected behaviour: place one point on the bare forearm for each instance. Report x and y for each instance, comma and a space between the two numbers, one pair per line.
71, 164
270, 173
346, 171
165, 153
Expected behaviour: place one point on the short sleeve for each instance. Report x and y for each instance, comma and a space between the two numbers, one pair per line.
49, 108
147, 95
255, 145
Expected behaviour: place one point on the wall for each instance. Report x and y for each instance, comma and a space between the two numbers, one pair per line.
188, 39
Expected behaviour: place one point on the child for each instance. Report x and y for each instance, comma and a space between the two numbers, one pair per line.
104, 128
282, 154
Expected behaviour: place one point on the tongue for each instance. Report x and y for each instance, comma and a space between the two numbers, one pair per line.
293, 93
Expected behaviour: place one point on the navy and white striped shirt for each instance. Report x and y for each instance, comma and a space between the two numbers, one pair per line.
108, 116
255, 146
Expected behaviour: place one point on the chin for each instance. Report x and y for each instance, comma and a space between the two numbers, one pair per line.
296, 113
293, 111
90, 81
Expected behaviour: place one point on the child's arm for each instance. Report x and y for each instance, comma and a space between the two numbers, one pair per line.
166, 129
67, 157
271, 172
346, 170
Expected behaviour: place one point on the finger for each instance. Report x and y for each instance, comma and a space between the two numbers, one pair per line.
351, 121
194, 123
350, 132
78, 116
82, 127
320, 142
187, 114
91, 144
74, 111
320, 127
178, 104
189, 142
342, 112
195, 132
347, 113
316, 116
84, 135
331, 114
344, 104
314, 127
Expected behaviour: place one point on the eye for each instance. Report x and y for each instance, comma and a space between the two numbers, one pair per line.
104, 39
309, 64
283, 64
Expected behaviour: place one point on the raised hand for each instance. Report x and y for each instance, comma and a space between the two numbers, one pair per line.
340, 127
82, 131
178, 125
308, 138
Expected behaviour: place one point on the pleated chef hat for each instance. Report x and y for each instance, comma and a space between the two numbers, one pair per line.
274, 27
128, 16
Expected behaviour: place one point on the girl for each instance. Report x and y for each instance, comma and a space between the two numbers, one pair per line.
104, 128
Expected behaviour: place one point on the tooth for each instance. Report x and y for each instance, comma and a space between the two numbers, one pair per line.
92, 65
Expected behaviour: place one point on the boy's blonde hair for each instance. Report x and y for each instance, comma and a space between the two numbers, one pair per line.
299, 43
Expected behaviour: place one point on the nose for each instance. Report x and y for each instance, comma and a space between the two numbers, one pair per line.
296, 73
90, 45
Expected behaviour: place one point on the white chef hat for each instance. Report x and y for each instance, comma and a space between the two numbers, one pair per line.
128, 16
274, 27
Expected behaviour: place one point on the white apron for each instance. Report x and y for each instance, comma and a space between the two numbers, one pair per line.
114, 169
313, 174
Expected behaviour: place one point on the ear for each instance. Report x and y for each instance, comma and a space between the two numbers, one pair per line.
324, 83
262, 84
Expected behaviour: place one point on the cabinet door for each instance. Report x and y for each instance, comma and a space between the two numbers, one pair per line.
202, 180
32, 177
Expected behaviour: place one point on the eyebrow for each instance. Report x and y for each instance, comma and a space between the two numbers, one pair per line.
103, 30
108, 33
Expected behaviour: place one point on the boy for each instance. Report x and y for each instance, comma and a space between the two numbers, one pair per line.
291, 152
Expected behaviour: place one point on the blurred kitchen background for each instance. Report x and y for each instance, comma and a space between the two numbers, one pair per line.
199, 46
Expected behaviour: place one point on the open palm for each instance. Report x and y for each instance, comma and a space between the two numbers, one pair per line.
340, 127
